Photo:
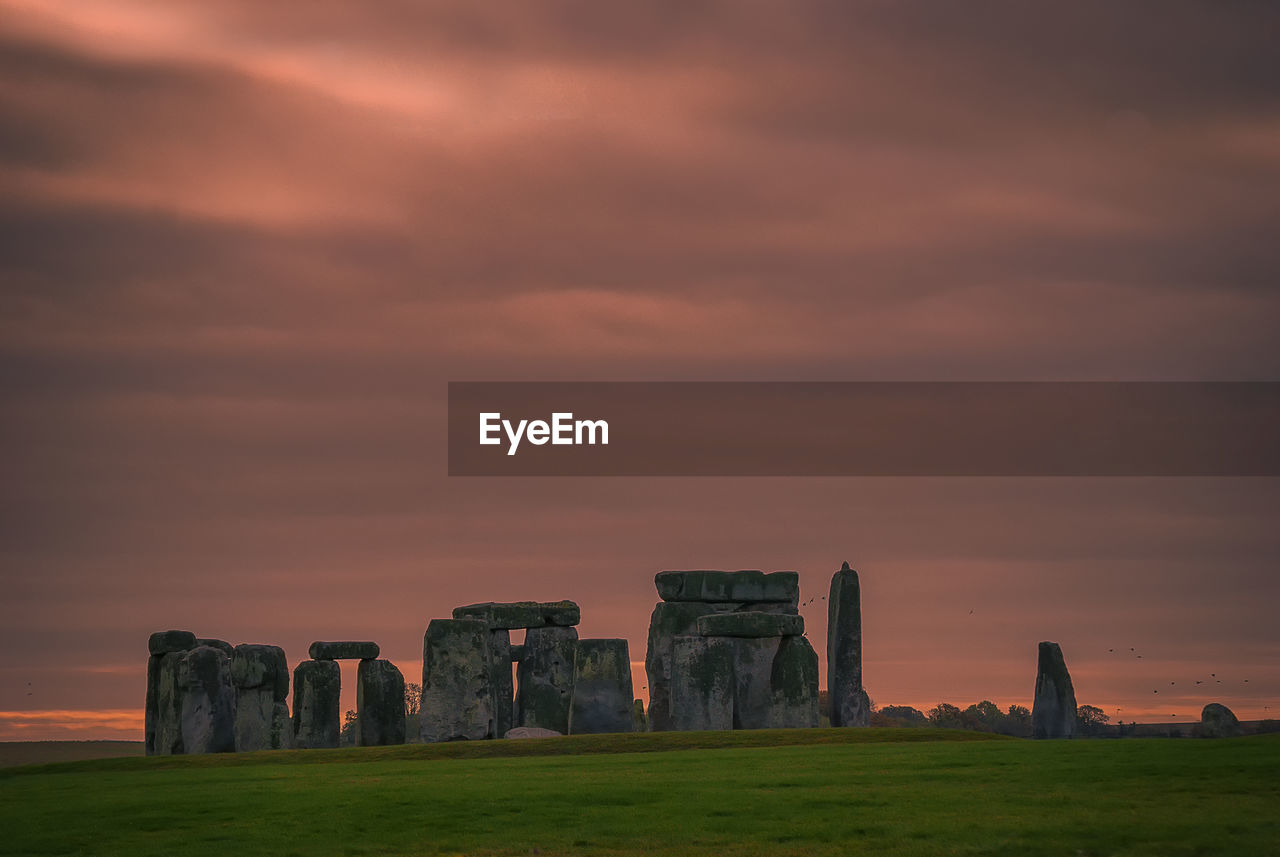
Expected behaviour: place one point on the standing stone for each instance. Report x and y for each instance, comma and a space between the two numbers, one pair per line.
545, 678
670, 619
601, 688
380, 716
159, 645
208, 707
639, 722
1218, 721
260, 675
702, 683
457, 698
500, 681
753, 659
169, 694
282, 728
151, 711
795, 685
1053, 714
850, 705
317, 695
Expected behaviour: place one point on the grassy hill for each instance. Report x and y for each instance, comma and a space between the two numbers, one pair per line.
795, 792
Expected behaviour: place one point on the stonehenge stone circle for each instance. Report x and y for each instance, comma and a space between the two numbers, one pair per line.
601, 687
1053, 714
380, 716
850, 705
1218, 721
457, 699
545, 678
260, 675
316, 701
208, 706
345, 650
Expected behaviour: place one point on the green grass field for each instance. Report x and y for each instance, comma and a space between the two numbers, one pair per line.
800, 792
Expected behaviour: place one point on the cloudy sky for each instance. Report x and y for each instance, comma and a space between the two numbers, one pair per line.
243, 248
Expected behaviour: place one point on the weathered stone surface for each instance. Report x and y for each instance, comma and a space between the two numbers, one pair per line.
545, 678
753, 681
532, 732
380, 715
281, 728
1218, 721
741, 586
670, 619
1053, 713
151, 709
255, 665
164, 642
457, 698
795, 685
169, 693
343, 650
521, 614
517, 653
702, 683
214, 643
500, 681
750, 624
208, 702
639, 721
260, 675
317, 695
849, 703
601, 687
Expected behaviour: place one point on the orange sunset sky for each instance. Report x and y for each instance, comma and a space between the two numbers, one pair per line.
245, 246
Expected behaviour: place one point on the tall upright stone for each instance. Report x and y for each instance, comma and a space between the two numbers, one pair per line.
500, 681
702, 684
159, 645
317, 696
601, 687
670, 619
794, 685
260, 675
457, 697
1053, 713
544, 678
850, 705
380, 714
753, 659
208, 707
167, 737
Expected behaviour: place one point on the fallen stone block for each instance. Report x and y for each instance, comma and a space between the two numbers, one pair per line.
532, 732
345, 650
511, 615
750, 624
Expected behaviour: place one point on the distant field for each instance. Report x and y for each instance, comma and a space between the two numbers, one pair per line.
798, 792
41, 752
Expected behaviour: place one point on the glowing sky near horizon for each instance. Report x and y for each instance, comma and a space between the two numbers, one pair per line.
243, 247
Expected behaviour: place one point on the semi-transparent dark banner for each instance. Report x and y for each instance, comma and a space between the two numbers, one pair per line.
863, 429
